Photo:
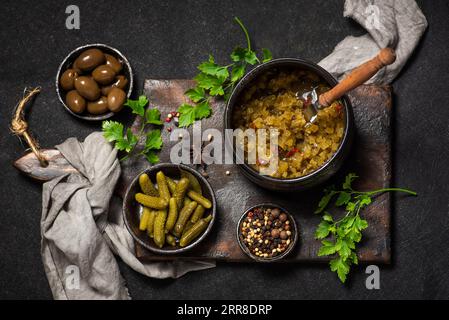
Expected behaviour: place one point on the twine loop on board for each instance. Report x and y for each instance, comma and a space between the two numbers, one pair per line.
19, 126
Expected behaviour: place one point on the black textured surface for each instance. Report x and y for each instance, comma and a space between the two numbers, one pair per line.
167, 39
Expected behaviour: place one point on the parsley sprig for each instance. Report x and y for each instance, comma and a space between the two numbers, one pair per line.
339, 237
215, 80
126, 141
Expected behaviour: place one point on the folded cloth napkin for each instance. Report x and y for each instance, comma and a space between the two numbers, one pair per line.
398, 24
82, 227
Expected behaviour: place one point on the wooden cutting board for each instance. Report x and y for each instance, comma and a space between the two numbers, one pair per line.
370, 159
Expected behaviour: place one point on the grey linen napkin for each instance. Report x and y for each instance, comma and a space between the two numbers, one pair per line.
398, 24
82, 228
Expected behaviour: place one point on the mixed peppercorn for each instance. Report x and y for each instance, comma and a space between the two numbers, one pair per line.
266, 232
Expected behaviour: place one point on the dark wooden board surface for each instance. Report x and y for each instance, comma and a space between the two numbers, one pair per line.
370, 158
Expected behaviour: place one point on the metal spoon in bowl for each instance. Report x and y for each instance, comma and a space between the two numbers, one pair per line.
357, 77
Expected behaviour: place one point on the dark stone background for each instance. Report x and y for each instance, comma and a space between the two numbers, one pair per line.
167, 39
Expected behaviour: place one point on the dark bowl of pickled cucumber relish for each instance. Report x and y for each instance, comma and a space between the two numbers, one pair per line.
133, 210
267, 232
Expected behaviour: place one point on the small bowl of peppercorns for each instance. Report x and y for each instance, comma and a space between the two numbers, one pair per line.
267, 232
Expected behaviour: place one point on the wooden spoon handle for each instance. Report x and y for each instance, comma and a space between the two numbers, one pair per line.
359, 76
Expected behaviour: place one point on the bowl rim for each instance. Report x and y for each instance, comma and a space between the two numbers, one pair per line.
77, 51
251, 75
161, 166
245, 249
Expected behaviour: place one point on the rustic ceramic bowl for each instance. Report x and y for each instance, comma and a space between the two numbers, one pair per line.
68, 61
295, 233
132, 209
331, 166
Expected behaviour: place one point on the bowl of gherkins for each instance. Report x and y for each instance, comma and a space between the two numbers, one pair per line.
169, 208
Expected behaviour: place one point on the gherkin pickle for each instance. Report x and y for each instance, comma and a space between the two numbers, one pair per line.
180, 191
144, 219
183, 217
197, 214
189, 225
147, 186
172, 215
194, 183
194, 231
171, 185
186, 201
151, 202
159, 228
162, 186
200, 199
170, 240
150, 225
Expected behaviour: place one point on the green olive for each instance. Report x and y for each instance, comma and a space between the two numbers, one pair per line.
116, 99
75, 101
98, 107
87, 87
120, 82
103, 74
89, 59
112, 62
67, 79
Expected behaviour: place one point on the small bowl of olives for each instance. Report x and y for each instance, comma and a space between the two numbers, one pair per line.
94, 81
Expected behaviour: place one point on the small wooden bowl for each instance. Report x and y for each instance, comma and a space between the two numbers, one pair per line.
283, 254
68, 62
132, 209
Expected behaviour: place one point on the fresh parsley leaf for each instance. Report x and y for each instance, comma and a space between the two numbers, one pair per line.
324, 201
202, 110
196, 94
216, 91
122, 145
327, 217
340, 266
238, 71
191, 113
344, 250
267, 56
154, 140
354, 258
184, 108
137, 106
327, 248
207, 81
187, 115
153, 116
323, 230
354, 235
350, 206
364, 200
131, 138
343, 198
152, 157
360, 223
238, 55
250, 57
112, 130
211, 68
348, 181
